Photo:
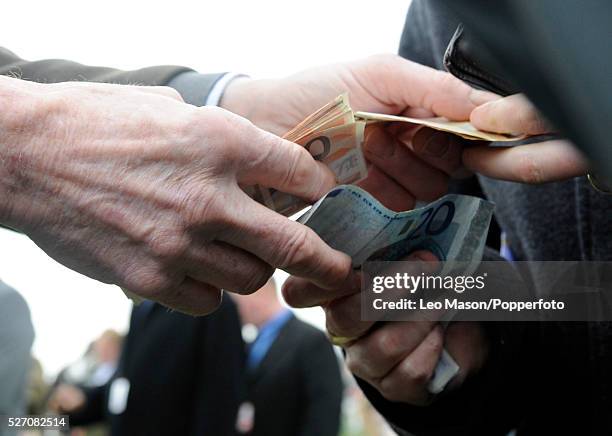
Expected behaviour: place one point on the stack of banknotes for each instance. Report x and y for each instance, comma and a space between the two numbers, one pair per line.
334, 135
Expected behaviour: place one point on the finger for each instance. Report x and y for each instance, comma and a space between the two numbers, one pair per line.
403, 166
386, 190
513, 114
191, 297
299, 292
438, 149
164, 91
407, 382
226, 267
375, 354
282, 243
533, 163
267, 160
409, 84
343, 317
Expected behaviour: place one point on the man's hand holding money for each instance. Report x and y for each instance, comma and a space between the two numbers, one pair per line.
398, 174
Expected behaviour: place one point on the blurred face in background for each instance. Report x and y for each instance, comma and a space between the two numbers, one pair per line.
107, 347
260, 306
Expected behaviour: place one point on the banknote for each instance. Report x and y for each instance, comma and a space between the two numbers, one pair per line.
334, 135
465, 129
331, 135
454, 228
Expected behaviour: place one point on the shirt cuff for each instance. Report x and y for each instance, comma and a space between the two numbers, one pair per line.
216, 92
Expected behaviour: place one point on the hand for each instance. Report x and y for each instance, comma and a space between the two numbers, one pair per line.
66, 399
541, 162
399, 172
397, 358
131, 186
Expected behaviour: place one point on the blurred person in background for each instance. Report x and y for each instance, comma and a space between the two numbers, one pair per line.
293, 380
38, 389
16, 338
177, 374
98, 363
95, 368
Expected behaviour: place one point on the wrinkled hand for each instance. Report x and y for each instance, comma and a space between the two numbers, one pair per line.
131, 186
397, 358
400, 173
541, 162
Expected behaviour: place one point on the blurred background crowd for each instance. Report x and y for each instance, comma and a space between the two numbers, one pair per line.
276, 367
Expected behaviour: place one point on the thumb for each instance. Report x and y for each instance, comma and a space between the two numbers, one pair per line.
273, 162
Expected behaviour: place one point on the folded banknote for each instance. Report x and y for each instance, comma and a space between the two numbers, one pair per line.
454, 228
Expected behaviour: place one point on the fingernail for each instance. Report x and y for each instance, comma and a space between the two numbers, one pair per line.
478, 97
378, 143
437, 144
419, 255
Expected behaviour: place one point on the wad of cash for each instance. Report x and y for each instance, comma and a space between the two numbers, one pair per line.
334, 135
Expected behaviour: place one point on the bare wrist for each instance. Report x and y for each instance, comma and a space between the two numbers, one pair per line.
247, 98
23, 113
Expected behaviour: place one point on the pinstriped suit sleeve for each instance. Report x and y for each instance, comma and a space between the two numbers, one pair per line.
194, 87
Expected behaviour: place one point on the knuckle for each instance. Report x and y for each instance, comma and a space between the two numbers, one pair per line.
335, 320
257, 277
202, 206
341, 319
297, 172
168, 243
354, 365
298, 249
536, 124
212, 126
417, 374
447, 81
386, 343
528, 169
148, 281
220, 126
528, 120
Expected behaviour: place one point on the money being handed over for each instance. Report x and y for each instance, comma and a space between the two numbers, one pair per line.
334, 135
454, 228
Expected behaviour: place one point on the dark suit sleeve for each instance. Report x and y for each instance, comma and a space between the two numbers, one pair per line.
194, 87
323, 387
94, 409
219, 384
